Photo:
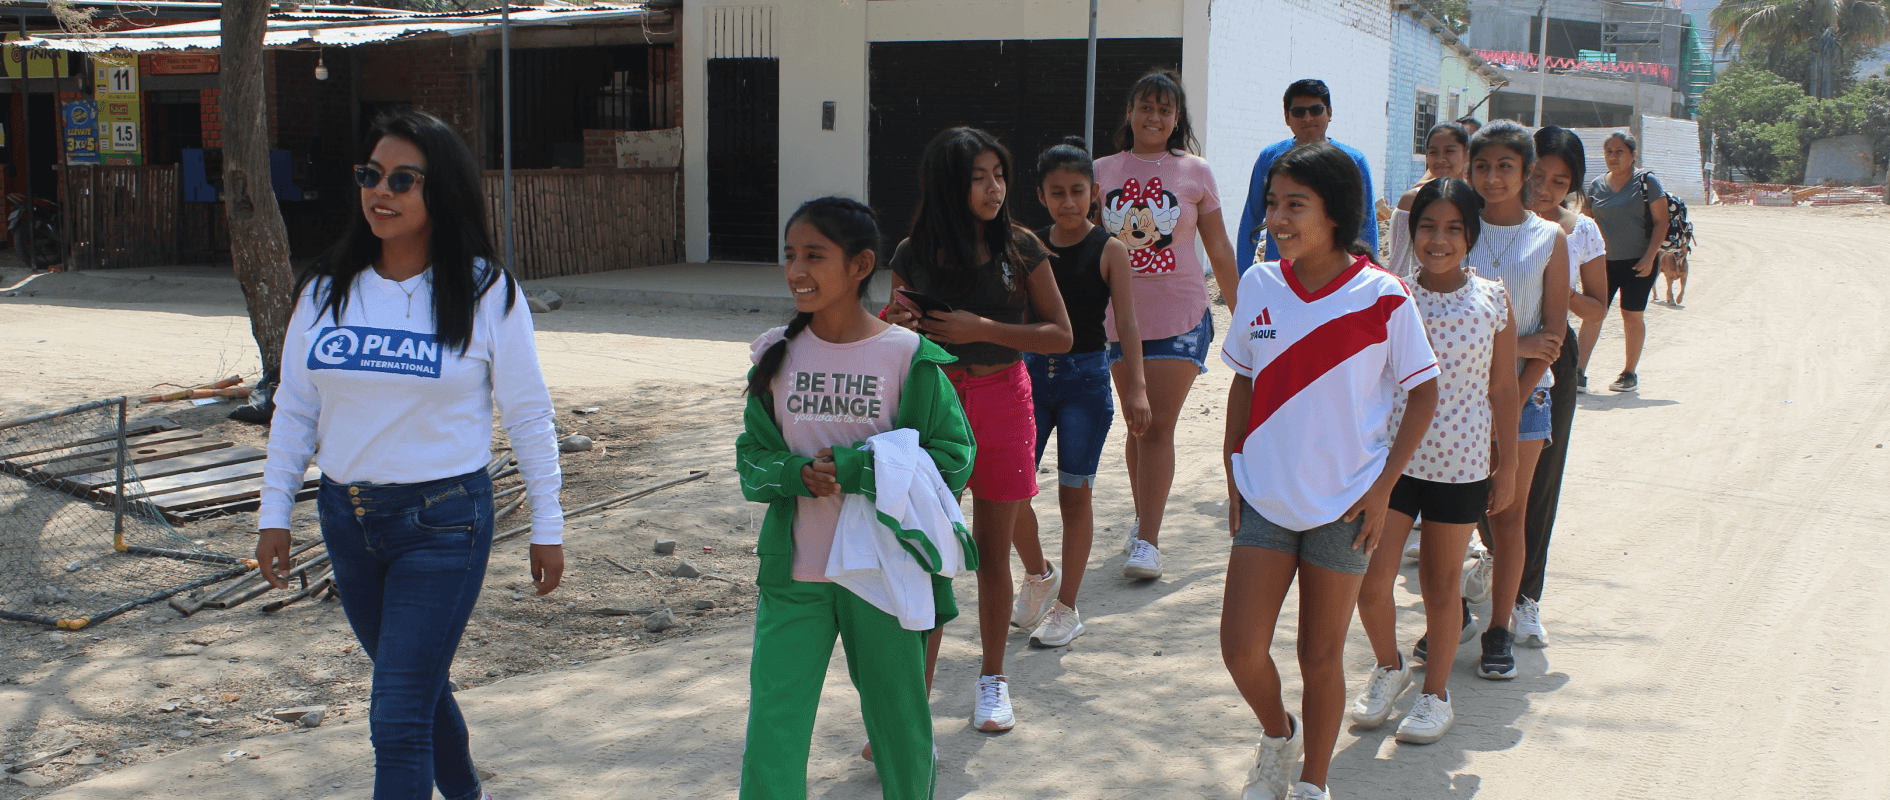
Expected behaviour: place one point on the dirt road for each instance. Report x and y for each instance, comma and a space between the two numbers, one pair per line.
1716, 597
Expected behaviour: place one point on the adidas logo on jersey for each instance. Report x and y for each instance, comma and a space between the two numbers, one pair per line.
1265, 319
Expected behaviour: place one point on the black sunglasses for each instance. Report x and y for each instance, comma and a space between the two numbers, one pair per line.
1313, 110
397, 182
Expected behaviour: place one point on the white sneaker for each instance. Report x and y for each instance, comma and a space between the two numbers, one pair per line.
1135, 532
1411, 549
1480, 579
1429, 719
1273, 763
1381, 692
1145, 562
993, 712
1035, 597
1528, 624
1060, 627
1307, 791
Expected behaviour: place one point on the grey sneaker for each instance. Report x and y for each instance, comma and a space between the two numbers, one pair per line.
1145, 562
1628, 382
1035, 597
1273, 765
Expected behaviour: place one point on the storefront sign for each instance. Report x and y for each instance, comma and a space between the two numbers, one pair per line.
38, 62
81, 132
183, 64
115, 82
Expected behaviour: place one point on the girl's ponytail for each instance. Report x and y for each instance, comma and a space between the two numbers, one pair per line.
845, 222
770, 364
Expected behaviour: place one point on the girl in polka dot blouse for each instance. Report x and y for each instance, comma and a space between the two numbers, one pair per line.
1454, 477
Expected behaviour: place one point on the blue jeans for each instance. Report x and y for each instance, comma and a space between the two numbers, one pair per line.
1191, 346
1071, 395
409, 560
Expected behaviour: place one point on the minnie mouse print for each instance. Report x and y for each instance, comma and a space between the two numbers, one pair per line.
1144, 218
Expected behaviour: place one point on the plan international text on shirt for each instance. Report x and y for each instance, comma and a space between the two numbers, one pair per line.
376, 350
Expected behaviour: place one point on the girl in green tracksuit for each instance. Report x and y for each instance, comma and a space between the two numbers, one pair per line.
834, 377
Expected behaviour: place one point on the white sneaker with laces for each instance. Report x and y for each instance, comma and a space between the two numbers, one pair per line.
1273, 765
1035, 597
1307, 791
1429, 719
1480, 579
1060, 627
1145, 562
1135, 533
993, 711
1381, 693
1528, 616
1411, 550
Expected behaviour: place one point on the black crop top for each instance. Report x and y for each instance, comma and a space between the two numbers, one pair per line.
1079, 279
989, 295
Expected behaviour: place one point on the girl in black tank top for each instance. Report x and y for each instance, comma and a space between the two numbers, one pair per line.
1070, 391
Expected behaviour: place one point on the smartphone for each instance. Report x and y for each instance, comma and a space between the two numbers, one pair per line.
926, 302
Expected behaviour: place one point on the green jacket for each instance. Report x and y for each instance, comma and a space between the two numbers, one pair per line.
770, 474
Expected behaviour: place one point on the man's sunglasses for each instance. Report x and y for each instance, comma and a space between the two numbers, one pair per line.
397, 182
1302, 112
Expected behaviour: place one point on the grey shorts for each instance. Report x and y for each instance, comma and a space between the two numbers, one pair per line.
1328, 546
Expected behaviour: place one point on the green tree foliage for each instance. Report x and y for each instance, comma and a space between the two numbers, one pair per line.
1858, 25
1766, 124
1455, 13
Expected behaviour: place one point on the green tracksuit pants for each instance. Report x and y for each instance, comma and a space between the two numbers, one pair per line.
795, 627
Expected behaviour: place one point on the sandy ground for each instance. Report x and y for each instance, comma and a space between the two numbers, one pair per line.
1715, 599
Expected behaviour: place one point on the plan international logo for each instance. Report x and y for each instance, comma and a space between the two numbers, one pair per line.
376, 350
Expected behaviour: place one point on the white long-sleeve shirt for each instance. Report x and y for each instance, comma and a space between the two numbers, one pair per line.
376, 399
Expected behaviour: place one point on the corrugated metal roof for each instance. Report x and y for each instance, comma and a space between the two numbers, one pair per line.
338, 26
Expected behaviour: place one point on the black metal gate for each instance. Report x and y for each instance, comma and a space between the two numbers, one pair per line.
1029, 93
743, 155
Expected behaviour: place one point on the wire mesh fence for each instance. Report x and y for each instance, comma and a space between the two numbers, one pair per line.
72, 551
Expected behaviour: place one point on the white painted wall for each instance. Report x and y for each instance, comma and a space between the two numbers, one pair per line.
952, 20
1257, 47
822, 48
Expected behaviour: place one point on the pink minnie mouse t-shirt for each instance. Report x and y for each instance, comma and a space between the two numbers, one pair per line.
1151, 205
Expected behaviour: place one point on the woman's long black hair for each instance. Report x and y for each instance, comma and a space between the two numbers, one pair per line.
945, 234
457, 209
1562, 143
1160, 83
844, 221
1332, 174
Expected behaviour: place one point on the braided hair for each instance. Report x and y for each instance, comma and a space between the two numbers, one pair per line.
844, 221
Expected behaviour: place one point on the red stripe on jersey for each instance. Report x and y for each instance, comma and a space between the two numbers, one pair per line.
1315, 354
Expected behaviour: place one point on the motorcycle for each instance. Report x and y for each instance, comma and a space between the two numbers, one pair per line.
48, 241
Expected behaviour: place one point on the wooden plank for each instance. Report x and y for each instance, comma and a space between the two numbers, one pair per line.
223, 493
93, 481
99, 448
109, 460
140, 428
238, 507
189, 480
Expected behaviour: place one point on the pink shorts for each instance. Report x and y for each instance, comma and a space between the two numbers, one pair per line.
1004, 424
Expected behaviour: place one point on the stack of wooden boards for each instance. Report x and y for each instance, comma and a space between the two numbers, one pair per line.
182, 474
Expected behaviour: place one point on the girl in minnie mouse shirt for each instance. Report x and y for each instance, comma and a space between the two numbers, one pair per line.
1157, 197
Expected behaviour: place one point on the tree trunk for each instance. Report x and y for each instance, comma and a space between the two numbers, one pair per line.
259, 242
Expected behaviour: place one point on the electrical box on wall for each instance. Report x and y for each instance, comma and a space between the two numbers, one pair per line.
826, 115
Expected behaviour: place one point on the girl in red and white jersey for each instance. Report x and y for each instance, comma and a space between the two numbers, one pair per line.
1321, 342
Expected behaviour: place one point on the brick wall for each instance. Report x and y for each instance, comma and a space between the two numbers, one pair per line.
210, 111
439, 78
600, 148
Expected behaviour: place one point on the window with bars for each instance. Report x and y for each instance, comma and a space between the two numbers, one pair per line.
1422, 121
557, 93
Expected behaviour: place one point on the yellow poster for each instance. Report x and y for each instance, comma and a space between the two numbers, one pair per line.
115, 82
38, 61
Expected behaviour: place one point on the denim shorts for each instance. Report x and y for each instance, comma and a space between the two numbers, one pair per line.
1535, 418
1071, 394
1328, 546
1190, 346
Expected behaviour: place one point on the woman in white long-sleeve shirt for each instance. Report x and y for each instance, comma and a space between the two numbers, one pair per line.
405, 336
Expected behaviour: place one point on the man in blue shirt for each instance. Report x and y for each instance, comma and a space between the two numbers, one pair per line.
1308, 112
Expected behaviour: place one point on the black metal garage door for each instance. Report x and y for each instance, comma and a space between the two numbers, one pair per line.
1027, 92
743, 158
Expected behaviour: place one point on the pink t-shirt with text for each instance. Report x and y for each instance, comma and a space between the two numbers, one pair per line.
833, 395
1152, 206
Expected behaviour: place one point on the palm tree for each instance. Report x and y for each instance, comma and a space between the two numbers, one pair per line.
1828, 27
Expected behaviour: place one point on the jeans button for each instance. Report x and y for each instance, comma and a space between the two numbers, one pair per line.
355, 490
360, 512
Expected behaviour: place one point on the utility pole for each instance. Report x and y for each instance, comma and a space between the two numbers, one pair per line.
505, 113
26, 125
1089, 91
1542, 61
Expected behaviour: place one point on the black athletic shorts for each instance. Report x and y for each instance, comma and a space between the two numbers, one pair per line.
1448, 503
1634, 288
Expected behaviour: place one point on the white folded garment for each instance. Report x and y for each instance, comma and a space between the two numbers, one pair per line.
887, 548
